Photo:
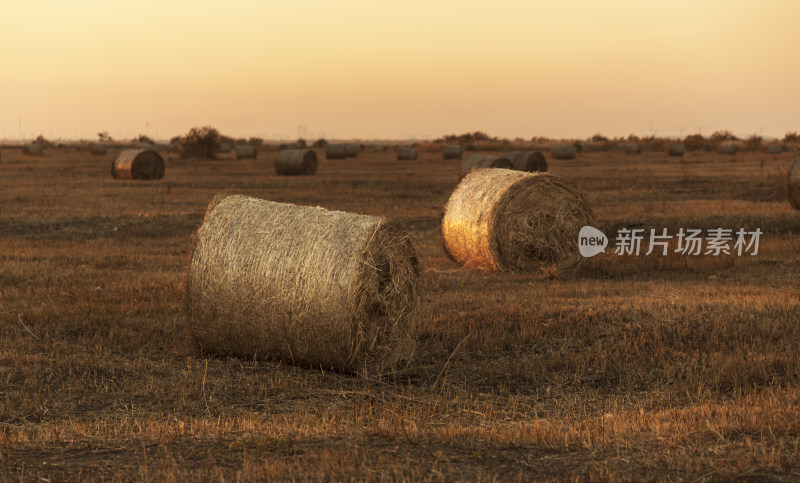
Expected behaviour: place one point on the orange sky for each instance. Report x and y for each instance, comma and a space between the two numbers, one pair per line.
373, 69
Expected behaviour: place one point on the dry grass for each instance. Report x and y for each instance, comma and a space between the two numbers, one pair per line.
649, 368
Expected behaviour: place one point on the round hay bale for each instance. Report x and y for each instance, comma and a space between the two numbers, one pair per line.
482, 161
727, 148
33, 149
335, 151
296, 162
564, 151
793, 185
498, 219
775, 149
302, 284
138, 164
530, 161
676, 149
406, 153
244, 151
633, 148
98, 149
351, 150
451, 151
224, 148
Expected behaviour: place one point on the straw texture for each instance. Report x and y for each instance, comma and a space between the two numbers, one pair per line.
302, 284
475, 162
530, 161
296, 162
406, 153
138, 164
793, 186
498, 219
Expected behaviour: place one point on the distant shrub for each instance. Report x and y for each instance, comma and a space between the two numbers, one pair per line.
41, 141
791, 137
753, 143
599, 138
319, 143
695, 142
201, 142
144, 139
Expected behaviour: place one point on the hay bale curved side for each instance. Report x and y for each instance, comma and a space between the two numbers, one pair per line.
564, 151
351, 150
335, 151
775, 149
138, 164
302, 284
245, 151
727, 148
451, 151
406, 153
633, 148
676, 149
498, 219
98, 149
33, 149
296, 162
793, 185
529, 161
475, 162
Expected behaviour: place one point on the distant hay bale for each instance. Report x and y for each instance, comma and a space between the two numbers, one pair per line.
676, 149
296, 162
530, 161
727, 148
498, 219
351, 150
147, 146
224, 148
475, 162
633, 148
775, 149
33, 149
302, 284
406, 153
335, 151
98, 149
451, 151
793, 185
138, 164
244, 151
564, 151
294, 145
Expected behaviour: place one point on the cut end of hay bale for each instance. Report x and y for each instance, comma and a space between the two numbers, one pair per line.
406, 153
500, 219
529, 161
141, 164
302, 284
296, 162
475, 162
793, 185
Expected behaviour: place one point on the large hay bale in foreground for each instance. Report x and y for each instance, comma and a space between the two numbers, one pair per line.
633, 148
138, 164
302, 284
296, 162
475, 162
451, 151
676, 149
406, 153
564, 151
793, 185
530, 161
245, 151
33, 149
351, 150
98, 149
335, 151
727, 148
498, 219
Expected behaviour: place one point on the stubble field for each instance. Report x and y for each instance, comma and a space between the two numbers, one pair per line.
651, 367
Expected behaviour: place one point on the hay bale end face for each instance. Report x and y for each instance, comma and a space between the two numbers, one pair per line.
335, 151
138, 164
406, 153
633, 148
729, 149
498, 219
529, 161
302, 284
793, 185
246, 151
351, 150
98, 149
451, 151
676, 149
564, 151
296, 162
475, 162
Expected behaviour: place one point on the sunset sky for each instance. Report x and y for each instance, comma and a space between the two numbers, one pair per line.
392, 70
